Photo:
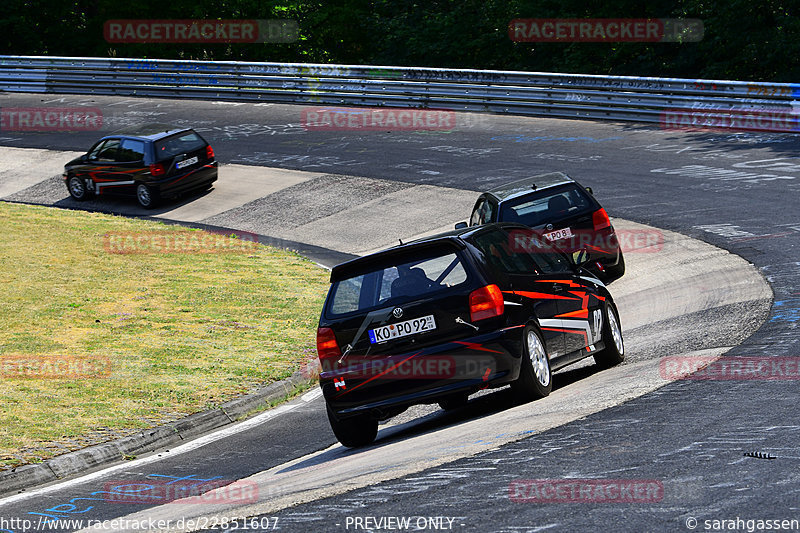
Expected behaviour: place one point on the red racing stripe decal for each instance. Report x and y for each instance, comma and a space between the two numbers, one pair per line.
580, 313
378, 375
543, 296
476, 346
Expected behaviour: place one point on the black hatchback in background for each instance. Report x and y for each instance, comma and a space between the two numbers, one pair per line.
435, 320
563, 211
148, 162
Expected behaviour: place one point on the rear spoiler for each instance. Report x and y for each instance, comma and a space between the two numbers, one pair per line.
393, 256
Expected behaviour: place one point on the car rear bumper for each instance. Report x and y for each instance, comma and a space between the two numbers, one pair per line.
379, 385
606, 259
194, 179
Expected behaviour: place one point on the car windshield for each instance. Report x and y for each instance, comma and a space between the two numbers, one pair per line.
180, 143
547, 206
396, 283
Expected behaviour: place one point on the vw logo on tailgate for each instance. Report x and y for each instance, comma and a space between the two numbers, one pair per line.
398, 312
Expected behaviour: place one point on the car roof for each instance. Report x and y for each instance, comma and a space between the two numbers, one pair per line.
454, 238
526, 185
151, 132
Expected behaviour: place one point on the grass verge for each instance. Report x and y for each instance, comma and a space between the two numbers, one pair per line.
147, 337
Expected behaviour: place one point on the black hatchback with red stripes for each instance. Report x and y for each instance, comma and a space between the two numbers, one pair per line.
437, 319
563, 211
149, 162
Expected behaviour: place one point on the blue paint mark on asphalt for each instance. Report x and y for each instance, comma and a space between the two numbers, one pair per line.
786, 310
124, 492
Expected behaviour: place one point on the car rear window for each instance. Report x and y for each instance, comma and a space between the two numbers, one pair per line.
548, 206
180, 143
396, 283
520, 251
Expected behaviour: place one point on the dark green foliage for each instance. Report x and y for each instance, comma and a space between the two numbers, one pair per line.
747, 40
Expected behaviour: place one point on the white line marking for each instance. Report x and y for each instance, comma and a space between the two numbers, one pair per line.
178, 450
312, 395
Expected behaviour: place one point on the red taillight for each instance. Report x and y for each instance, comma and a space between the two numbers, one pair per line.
327, 346
485, 302
209, 152
600, 219
157, 169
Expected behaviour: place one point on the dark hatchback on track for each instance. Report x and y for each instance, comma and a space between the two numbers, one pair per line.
563, 211
435, 320
149, 162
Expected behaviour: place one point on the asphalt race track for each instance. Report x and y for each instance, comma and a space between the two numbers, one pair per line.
735, 191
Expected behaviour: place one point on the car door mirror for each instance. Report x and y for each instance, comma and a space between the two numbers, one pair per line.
461, 225
590, 191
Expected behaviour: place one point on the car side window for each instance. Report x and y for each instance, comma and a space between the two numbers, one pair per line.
503, 253
131, 150
491, 210
484, 212
109, 151
92, 154
475, 219
553, 263
521, 251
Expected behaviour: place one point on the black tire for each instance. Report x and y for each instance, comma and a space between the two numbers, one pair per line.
454, 402
353, 431
535, 377
77, 189
147, 196
617, 271
614, 351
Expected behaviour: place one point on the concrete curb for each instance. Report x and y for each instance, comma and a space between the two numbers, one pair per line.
149, 440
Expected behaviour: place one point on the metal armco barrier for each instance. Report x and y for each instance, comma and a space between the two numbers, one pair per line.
668, 101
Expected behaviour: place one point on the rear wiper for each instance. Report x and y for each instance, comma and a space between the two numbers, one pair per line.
372, 316
460, 320
182, 156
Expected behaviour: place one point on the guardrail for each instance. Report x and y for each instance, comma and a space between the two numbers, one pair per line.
711, 103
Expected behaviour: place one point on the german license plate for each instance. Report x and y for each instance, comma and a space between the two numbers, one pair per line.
186, 162
558, 234
402, 329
